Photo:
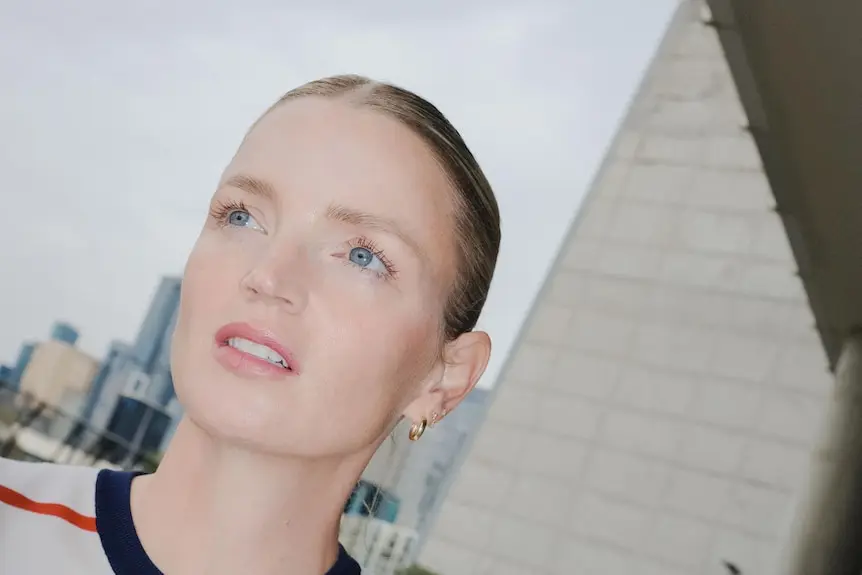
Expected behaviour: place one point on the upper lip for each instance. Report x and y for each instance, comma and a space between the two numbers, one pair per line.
259, 336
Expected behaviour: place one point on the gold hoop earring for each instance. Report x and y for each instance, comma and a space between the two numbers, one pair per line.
435, 417
417, 429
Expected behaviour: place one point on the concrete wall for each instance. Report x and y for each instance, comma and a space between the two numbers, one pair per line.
659, 412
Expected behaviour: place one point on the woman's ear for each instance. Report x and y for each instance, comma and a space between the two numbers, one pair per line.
466, 359
463, 362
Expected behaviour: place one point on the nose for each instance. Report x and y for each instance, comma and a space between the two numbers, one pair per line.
278, 279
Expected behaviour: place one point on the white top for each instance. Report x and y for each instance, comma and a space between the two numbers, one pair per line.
48, 520
61, 519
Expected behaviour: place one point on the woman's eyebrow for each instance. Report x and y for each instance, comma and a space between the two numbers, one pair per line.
252, 185
364, 219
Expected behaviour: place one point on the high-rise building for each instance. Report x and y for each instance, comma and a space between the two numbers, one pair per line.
134, 388
97, 410
141, 423
61, 332
659, 412
21, 362
58, 372
152, 345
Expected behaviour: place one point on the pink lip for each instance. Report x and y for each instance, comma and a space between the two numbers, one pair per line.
245, 364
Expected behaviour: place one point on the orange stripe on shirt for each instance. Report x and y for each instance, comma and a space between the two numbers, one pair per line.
15, 499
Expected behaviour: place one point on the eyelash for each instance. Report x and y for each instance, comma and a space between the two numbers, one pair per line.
367, 244
223, 209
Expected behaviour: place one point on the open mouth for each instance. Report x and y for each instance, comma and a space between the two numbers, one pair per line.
253, 351
259, 351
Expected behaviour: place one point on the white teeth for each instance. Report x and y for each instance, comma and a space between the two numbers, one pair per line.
257, 350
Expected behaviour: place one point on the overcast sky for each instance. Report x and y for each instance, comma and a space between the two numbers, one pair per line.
116, 119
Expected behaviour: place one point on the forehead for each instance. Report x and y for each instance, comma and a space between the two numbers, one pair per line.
318, 152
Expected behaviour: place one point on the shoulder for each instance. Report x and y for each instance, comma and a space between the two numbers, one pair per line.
47, 488
48, 519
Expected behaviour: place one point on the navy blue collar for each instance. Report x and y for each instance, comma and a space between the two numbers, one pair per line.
120, 540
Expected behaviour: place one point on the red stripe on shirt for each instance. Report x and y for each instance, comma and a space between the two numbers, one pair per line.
15, 499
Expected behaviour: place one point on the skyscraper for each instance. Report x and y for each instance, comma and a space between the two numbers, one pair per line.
133, 388
152, 345
24, 356
117, 360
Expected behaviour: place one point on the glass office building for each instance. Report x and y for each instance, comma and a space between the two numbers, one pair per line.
133, 389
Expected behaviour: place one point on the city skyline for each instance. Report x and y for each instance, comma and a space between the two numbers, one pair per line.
127, 395
64, 329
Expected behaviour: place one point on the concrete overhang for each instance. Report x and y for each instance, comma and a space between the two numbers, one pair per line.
797, 65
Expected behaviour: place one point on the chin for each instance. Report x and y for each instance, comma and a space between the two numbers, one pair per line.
252, 415
231, 410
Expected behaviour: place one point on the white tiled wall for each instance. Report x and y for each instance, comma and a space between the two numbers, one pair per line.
658, 415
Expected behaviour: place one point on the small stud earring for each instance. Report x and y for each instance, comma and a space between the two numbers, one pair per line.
434, 418
417, 429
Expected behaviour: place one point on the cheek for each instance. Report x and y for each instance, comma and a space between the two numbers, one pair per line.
210, 277
383, 327
385, 348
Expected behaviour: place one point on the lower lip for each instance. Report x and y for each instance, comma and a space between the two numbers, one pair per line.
247, 365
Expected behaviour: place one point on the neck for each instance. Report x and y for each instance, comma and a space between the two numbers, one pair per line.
216, 508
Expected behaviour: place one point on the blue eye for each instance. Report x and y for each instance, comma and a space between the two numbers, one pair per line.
361, 256
238, 218
241, 219
366, 259
233, 214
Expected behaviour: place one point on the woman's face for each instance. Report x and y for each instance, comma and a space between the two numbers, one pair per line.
312, 300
